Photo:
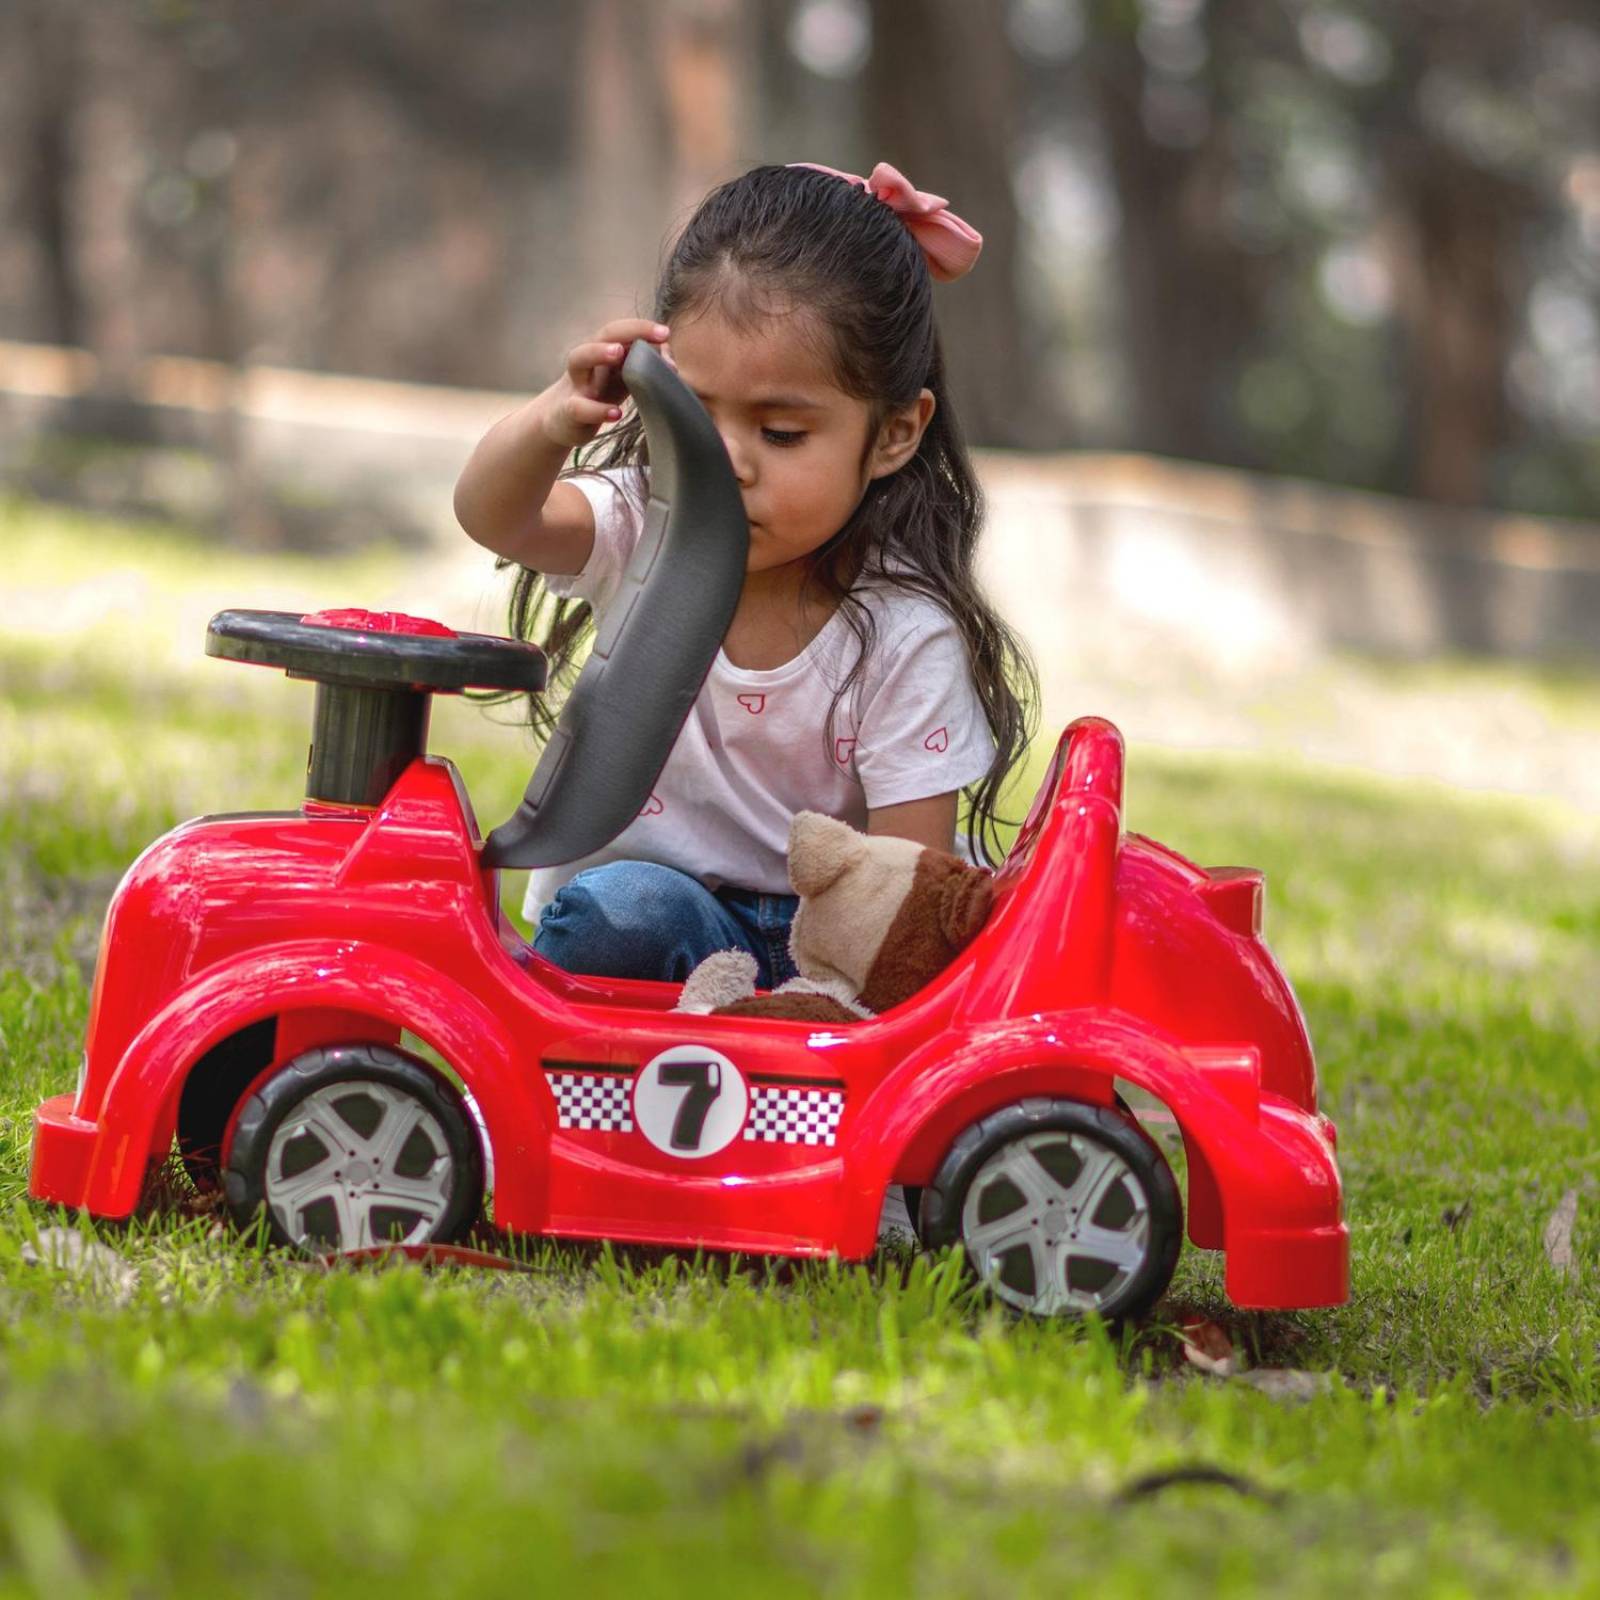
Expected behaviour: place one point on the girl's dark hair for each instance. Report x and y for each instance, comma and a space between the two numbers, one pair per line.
784, 237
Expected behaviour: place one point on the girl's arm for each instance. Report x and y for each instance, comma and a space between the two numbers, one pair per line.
930, 822
507, 498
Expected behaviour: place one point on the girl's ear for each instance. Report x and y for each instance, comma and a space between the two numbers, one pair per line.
900, 435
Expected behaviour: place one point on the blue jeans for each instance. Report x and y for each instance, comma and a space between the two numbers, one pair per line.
637, 919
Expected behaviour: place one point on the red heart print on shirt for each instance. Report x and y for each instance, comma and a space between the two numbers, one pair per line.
755, 704
938, 740
843, 749
652, 807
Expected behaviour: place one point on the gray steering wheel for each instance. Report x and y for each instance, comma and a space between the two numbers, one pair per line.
653, 647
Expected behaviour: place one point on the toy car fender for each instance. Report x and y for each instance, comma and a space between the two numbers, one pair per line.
380, 990
1256, 1150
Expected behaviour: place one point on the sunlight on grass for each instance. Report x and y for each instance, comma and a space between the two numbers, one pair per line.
239, 1422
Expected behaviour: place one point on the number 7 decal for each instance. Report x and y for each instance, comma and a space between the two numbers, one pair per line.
703, 1079
690, 1101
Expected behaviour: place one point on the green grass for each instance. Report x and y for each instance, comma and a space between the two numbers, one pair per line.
238, 1423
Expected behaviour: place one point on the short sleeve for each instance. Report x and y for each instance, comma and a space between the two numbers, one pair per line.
617, 501
922, 728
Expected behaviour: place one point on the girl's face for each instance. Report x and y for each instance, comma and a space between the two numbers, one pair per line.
802, 449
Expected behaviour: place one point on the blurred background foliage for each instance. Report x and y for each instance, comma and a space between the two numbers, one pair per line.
1353, 240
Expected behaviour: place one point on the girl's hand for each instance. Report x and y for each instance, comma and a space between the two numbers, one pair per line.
589, 394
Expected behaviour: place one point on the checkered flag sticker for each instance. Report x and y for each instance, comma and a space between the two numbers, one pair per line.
593, 1100
794, 1116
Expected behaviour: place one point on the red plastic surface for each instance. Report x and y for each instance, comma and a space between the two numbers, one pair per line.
379, 622
1108, 957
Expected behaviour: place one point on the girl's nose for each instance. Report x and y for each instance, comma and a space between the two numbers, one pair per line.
739, 457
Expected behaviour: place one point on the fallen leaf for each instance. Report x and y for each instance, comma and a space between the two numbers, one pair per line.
1558, 1235
424, 1255
1287, 1383
1208, 1347
68, 1251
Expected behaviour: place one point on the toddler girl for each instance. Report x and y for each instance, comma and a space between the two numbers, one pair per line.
863, 675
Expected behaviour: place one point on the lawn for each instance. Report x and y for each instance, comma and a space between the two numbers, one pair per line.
197, 1415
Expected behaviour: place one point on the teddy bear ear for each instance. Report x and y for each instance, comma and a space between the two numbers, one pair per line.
965, 901
820, 850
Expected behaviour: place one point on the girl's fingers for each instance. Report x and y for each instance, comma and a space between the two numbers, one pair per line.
594, 357
612, 341
588, 416
587, 410
627, 329
593, 365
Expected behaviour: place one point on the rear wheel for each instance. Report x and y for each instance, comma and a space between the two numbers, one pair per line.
1062, 1208
352, 1146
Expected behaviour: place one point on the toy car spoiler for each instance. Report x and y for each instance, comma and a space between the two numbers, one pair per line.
655, 644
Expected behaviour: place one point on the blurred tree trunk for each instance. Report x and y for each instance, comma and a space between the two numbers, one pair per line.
214, 95
797, 112
623, 167
1453, 229
46, 35
1453, 238
1192, 296
191, 64
709, 57
942, 94
1460, 185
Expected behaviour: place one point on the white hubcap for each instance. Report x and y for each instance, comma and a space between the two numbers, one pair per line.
1056, 1222
358, 1164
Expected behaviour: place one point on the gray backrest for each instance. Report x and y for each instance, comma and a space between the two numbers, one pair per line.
655, 644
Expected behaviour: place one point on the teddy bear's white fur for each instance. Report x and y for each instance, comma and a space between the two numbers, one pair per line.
730, 975
855, 891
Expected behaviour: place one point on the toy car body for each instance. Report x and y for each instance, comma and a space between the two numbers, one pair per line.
257, 972
1107, 958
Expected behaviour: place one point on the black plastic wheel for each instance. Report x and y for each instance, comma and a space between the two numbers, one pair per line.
1062, 1208
352, 1146
371, 658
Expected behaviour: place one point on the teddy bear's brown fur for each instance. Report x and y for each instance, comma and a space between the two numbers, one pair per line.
879, 918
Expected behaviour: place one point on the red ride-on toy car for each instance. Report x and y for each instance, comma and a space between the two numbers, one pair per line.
261, 977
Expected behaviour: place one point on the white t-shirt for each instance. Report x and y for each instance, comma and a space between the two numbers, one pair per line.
755, 748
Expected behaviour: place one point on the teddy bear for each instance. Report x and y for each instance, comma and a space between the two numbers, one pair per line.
879, 917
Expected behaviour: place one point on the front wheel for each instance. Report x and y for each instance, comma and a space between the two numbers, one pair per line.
1062, 1208
353, 1146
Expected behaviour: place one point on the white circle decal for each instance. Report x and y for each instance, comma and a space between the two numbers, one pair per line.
690, 1101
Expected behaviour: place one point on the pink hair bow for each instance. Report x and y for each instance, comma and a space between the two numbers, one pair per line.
949, 244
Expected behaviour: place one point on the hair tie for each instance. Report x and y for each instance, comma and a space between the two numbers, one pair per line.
949, 244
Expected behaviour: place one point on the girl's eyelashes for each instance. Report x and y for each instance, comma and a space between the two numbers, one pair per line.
782, 436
